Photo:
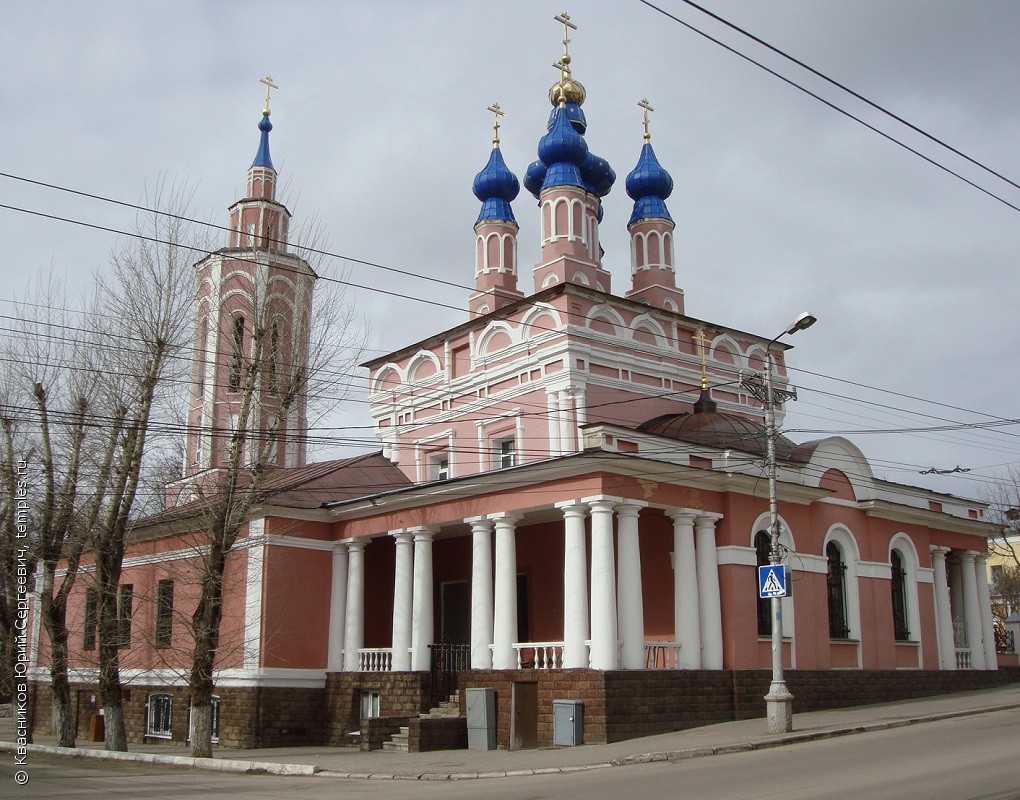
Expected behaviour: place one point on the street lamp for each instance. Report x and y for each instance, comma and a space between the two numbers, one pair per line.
779, 701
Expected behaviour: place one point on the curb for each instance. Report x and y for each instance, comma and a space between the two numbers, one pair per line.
240, 766
212, 764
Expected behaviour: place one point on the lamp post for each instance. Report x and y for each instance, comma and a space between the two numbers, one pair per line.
779, 701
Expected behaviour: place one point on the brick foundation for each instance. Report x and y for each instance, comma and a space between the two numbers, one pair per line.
401, 694
618, 705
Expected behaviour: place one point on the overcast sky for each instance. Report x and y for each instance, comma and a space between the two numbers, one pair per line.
783, 204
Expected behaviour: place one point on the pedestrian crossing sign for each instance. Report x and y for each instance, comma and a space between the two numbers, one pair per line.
772, 581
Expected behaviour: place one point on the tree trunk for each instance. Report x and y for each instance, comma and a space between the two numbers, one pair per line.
53, 614
109, 665
201, 727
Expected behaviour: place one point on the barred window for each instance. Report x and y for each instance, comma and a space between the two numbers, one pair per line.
836, 579
159, 716
899, 597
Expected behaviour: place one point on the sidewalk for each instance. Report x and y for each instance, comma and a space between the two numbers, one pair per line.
466, 764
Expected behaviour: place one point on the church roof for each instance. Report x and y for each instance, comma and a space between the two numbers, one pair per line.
262, 158
648, 185
708, 426
307, 487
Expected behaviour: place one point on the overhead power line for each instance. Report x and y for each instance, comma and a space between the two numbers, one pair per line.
838, 109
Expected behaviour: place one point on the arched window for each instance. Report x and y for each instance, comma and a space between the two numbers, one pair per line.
838, 627
236, 352
273, 365
899, 597
762, 545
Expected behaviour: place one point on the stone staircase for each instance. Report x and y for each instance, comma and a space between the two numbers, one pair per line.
447, 708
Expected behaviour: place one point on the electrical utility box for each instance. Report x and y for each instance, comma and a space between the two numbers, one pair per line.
481, 719
568, 722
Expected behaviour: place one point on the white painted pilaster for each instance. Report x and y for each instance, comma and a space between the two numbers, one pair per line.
253, 596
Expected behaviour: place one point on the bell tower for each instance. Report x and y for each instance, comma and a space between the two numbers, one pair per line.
251, 333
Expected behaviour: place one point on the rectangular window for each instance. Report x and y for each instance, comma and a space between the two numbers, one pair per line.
159, 716
369, 703
91, 601
164, 612
505, 453
440, 467
124, 614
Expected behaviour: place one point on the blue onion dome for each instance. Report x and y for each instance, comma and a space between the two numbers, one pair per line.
535, 177
561, 152
598, 176
562, 143
574, 114
649, 185
496, 186
262, 158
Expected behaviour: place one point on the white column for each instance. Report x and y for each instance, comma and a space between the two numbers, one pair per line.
604, 643
553, 406
481, 593
422, 615
687, 625
628, 588
972, 611
566, 440
337, 609
504, 625
403, 580
575, 586
943, 612
354, 632
985, 606
709, 605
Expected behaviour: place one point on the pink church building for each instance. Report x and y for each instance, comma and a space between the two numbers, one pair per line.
569, 504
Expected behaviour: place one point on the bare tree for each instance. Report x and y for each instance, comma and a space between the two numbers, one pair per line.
147, 295
58, 400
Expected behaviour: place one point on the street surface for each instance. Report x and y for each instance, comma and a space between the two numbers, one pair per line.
968, 758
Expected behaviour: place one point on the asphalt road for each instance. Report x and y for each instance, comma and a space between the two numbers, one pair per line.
968, 758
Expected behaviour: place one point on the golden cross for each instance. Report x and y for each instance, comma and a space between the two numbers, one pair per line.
564, 63
702, 341
497, 113
644, 104
268, 81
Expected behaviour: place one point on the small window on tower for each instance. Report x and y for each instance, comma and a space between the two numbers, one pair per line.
439, 467
505, 453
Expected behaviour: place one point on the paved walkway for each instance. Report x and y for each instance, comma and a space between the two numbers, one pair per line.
466, 764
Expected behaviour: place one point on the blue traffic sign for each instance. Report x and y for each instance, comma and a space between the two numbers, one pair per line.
772, 581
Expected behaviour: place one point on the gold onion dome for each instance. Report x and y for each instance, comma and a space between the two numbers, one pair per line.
566, 89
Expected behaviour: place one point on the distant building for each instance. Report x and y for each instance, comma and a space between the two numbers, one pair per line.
569, 503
